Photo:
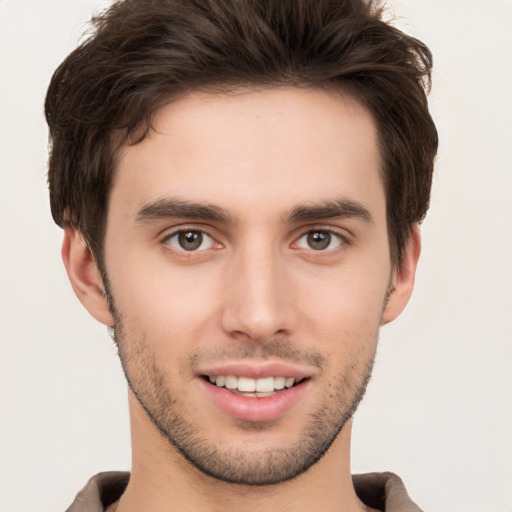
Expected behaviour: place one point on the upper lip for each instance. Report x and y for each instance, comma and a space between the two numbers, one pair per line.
255, 370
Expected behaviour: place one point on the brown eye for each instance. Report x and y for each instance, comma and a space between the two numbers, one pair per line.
190, 240
320, 240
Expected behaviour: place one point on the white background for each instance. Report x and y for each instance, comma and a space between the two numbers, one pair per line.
439, 408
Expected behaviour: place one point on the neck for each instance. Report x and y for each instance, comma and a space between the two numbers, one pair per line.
162, 480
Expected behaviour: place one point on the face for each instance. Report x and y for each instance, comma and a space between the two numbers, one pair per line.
248, 271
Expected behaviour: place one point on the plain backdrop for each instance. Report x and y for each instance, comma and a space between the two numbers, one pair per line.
439, 408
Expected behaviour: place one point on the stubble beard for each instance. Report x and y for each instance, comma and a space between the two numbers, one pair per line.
147, 381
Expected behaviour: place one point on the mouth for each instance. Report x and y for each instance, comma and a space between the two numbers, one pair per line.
256, 393
262, 387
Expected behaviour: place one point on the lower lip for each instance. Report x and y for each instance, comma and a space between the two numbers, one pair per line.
254, 408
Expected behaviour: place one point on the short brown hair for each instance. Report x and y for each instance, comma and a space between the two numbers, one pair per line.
144, 53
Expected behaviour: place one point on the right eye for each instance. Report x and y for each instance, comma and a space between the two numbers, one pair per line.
190, 240
320, 240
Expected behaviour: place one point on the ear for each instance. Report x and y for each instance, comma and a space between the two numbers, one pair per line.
402, 281
84, 276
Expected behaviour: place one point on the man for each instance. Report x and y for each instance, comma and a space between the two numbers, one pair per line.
240, 184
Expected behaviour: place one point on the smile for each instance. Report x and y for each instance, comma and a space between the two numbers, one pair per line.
249, 387
255, 398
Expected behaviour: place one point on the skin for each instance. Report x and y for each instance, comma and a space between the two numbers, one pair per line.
257, 291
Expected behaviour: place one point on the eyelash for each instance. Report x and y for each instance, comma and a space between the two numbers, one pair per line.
330, 237
184, 232
213, 244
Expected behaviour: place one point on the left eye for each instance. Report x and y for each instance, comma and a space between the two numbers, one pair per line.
190, 240
319, 240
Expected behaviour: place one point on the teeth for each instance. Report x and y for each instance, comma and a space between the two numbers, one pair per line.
252, 387
265, 385
246, 384
279, 382
231, 382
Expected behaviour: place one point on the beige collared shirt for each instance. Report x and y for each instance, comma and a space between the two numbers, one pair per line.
383, 491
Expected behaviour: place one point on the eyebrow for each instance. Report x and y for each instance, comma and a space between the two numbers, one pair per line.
177, 208
339, 209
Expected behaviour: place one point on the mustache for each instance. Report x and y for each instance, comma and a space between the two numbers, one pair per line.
283, 350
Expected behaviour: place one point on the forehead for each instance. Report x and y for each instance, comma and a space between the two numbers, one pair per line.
275, 147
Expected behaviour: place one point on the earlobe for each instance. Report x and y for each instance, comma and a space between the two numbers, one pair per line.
84, 276
403, 278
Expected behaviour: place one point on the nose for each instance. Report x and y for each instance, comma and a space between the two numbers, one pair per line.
258, 299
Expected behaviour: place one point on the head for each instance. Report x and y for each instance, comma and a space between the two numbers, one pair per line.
145, 54
247, 177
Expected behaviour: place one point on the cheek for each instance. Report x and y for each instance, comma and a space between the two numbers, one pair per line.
348, 299
344, 326
163, 300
